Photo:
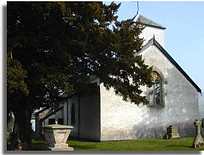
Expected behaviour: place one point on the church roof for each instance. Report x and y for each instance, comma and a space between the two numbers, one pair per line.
154, 42
148, 22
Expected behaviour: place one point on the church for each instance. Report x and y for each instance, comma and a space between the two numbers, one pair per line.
98, 114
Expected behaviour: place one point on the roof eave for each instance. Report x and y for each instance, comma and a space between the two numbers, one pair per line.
154, 26
154, 42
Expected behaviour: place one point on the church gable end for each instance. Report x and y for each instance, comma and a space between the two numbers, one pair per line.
152, 42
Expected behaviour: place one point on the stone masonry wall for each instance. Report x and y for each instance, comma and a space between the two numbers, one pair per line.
122, 120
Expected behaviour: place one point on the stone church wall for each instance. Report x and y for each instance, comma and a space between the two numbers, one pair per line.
86, 121
124, 120
89, 114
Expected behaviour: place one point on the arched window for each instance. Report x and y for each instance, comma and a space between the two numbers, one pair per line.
156, 94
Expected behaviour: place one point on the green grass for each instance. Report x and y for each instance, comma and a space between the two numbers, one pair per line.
182, 144
141, 145
40, 145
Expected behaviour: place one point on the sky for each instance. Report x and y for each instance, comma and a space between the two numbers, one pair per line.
184, 36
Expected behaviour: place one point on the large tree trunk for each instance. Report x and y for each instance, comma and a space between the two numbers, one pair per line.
21, 106
22, 135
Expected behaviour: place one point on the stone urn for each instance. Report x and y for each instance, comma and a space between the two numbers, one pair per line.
56, 135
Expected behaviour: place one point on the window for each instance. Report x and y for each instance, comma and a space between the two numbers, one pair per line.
155, 94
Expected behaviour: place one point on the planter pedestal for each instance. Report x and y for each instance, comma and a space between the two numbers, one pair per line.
56, 135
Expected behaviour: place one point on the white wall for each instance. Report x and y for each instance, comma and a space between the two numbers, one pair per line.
125, 120
201, 106
149, 32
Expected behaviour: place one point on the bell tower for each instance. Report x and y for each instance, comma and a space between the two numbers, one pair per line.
151, 29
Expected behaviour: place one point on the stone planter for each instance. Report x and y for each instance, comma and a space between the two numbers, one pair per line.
56, 135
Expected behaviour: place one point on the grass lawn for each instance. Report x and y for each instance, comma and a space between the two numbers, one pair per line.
182, 144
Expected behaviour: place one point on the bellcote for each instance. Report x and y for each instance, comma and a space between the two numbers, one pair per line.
152, 29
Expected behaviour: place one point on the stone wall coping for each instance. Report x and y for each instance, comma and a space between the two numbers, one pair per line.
58, 126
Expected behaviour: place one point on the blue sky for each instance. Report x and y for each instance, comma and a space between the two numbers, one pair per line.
184, 36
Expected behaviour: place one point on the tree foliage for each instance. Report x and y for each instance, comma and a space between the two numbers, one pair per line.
61, 45
57, 47
16, 75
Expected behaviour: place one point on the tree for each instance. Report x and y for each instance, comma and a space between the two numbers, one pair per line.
59, 46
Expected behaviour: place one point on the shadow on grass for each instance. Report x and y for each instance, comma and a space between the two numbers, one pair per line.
190, 148
39, 145
185, 146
